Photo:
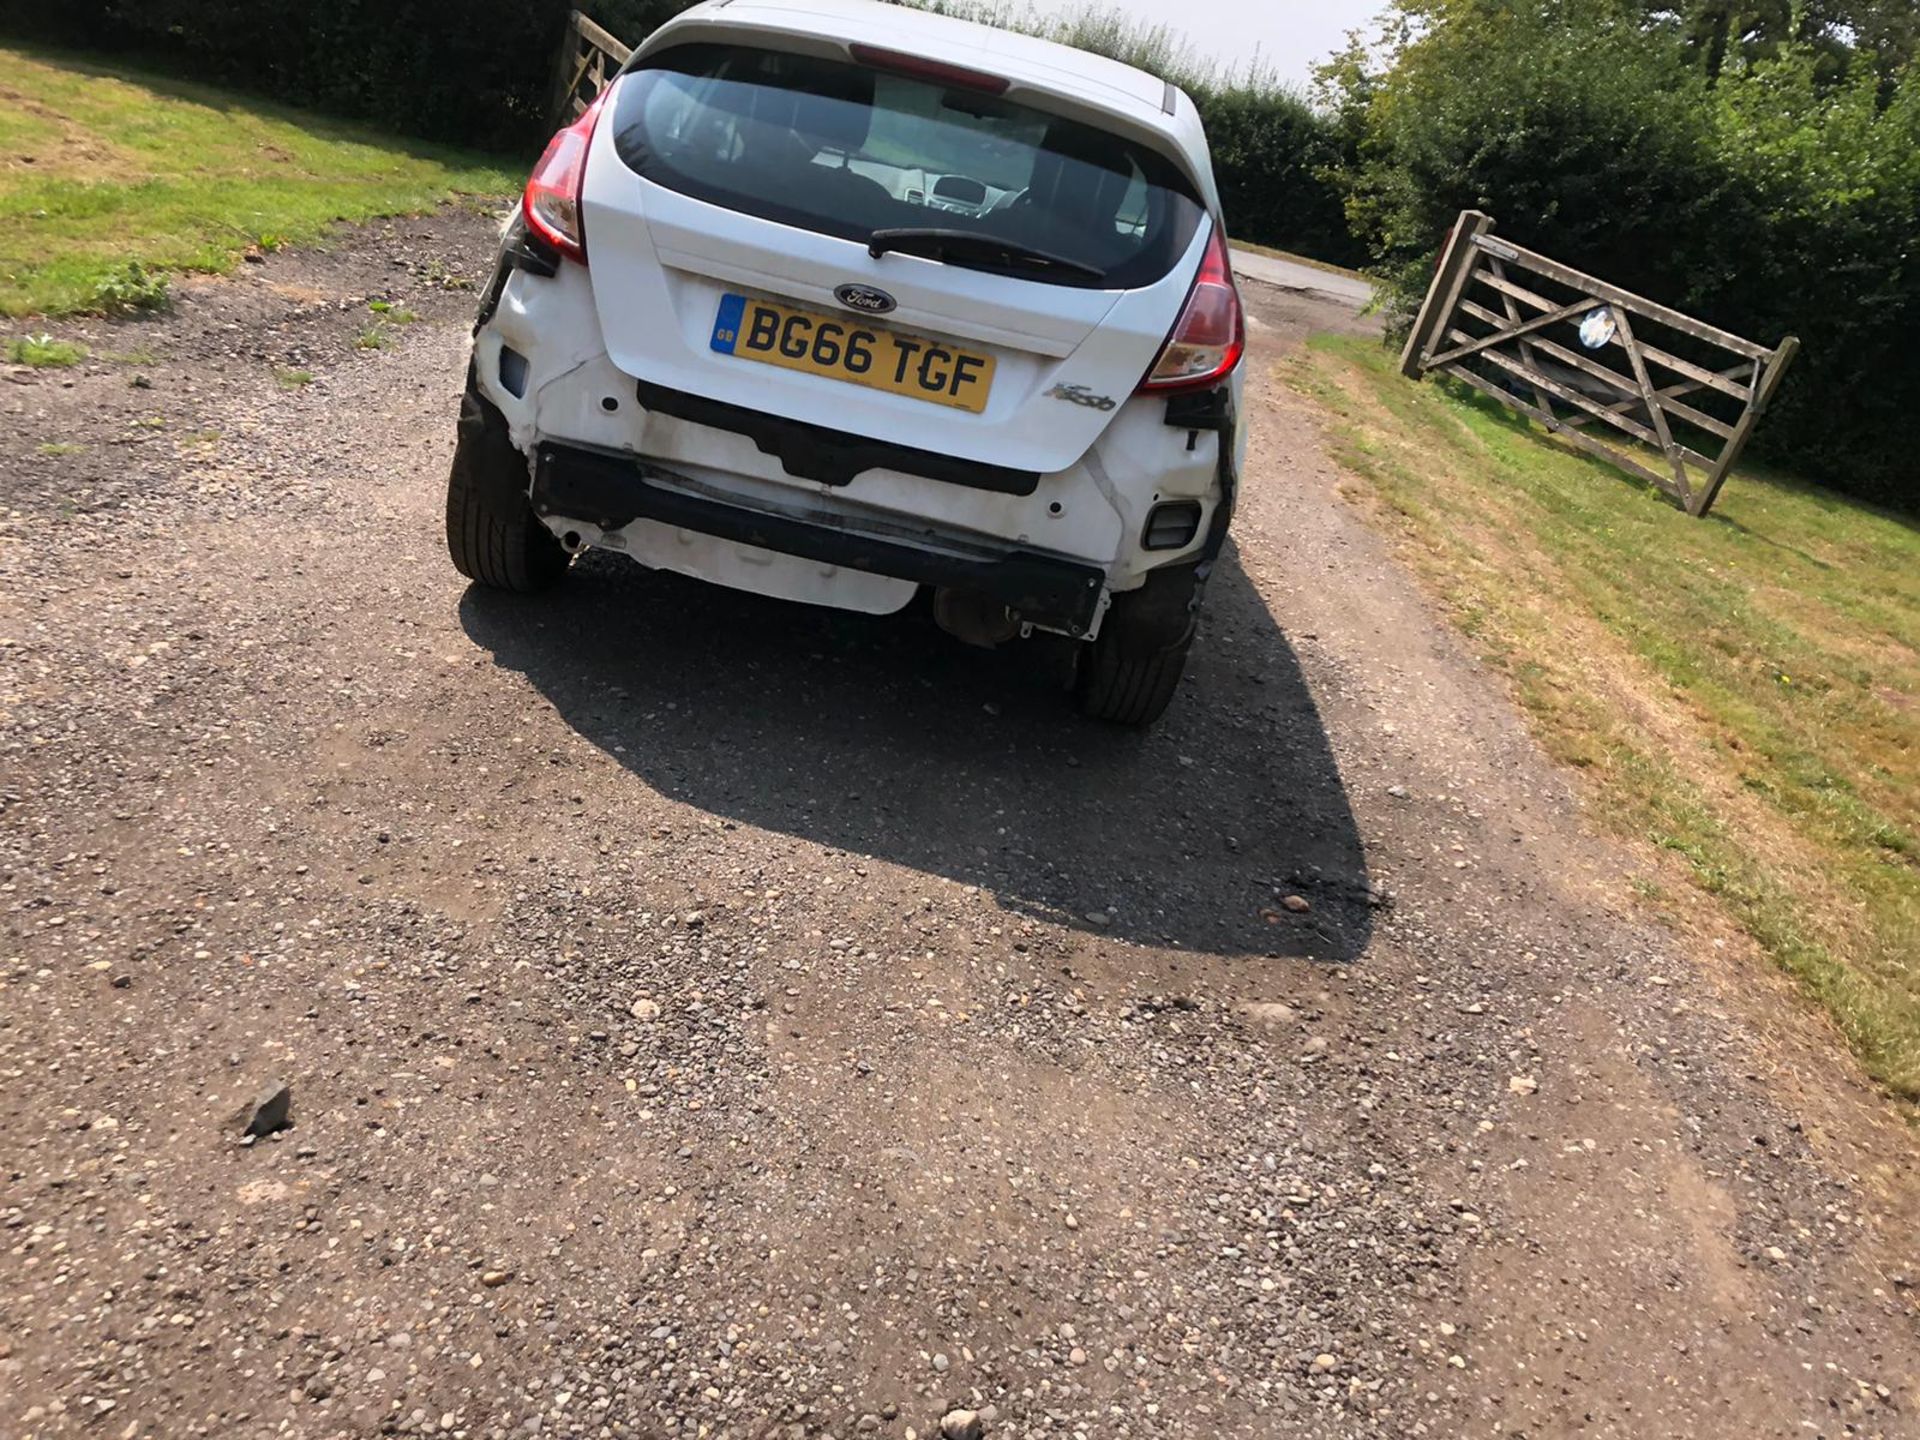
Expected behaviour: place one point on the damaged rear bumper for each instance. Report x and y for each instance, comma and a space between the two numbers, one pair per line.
612, 490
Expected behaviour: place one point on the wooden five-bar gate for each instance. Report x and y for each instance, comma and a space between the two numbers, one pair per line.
590, 57
1482, 325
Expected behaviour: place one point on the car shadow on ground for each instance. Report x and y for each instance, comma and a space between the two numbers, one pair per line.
884, 737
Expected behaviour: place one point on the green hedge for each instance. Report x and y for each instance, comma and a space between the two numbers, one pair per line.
1273, 156
477, 73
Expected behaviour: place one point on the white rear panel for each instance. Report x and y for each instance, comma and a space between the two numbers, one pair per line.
661, 261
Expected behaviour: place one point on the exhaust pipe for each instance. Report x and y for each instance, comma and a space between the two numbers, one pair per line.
977, 619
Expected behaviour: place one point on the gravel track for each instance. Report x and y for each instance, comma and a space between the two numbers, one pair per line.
709, 1017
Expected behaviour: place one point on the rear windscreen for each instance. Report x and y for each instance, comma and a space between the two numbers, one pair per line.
835, 147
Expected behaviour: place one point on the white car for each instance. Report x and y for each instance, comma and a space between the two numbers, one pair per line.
838, 301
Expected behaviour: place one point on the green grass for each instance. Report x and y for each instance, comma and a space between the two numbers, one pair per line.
1743, 692
111, 180
43, 352
292, 379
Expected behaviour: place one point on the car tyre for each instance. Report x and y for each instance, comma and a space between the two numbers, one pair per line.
493, 536
1130, 674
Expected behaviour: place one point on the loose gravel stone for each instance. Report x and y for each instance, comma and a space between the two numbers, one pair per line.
269, 1111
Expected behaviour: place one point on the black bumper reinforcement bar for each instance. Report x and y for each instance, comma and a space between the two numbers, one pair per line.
611, 489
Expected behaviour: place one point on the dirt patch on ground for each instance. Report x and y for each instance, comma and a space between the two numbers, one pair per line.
713, 1017
55, 148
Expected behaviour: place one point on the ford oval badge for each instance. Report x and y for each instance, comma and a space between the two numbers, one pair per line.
864, 297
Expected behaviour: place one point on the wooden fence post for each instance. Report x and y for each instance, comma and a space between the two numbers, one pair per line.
1449, 283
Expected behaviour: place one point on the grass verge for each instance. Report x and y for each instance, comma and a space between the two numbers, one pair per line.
1743, 692
111, 177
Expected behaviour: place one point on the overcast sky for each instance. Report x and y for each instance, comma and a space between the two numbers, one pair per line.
1290, 34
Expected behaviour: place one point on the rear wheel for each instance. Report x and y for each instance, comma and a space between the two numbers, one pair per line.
1130, 674
493, 536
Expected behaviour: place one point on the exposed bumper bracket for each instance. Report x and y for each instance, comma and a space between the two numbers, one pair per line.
610, 490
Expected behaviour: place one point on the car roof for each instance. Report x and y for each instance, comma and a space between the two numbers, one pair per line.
1146, 103
946, 37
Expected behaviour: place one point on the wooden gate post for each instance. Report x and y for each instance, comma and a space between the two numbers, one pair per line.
1449, 283
1776, 369
584, 56
565, 77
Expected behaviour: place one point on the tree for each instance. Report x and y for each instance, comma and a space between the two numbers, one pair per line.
1717, 33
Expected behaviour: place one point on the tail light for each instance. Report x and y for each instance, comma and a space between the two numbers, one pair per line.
1211, 333
552, 202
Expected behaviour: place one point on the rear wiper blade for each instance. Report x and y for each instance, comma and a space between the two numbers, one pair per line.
969, 247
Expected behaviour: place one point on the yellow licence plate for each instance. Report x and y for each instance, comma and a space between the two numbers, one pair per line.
860, 354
